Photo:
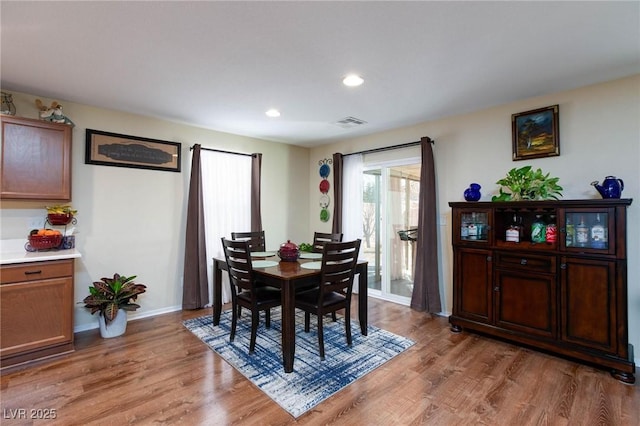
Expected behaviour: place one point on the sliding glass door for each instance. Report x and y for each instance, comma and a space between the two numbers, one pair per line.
390, 218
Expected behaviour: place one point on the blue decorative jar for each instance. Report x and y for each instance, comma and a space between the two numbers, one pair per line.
472, 193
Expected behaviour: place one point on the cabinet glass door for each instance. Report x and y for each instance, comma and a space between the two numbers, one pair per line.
474, 226
588, 230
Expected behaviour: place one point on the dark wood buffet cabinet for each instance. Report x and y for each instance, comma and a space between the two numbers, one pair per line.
565, 294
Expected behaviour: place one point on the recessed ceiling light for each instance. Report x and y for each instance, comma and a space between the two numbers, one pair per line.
273, 113
352, 80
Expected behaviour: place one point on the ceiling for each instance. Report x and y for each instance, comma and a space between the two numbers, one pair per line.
221, 65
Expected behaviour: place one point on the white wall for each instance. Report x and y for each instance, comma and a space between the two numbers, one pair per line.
132, 221
599, 136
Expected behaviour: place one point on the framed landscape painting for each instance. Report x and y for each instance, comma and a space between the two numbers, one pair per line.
535, 133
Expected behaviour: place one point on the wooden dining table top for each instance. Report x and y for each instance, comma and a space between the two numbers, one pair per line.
287, 269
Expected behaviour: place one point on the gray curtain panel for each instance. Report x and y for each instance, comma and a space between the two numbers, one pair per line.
195, 292
336, 227
256, 170
426, 288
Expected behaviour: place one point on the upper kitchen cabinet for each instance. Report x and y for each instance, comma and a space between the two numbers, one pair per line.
36, 160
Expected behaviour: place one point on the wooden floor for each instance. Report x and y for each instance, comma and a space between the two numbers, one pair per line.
160, 373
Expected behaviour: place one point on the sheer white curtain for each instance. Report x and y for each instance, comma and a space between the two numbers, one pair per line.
352, 204
226, 185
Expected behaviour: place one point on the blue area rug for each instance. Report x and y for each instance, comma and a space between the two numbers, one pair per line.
312, 380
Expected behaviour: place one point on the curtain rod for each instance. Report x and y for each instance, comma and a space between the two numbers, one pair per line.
387, 148
223, 151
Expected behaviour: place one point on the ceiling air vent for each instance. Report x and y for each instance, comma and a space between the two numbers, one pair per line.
349, 122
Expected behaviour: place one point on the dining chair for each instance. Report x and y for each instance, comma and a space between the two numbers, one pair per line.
319, 238
337, 272
244, 292
256, 239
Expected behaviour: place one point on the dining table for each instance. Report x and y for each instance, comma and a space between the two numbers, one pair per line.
288, 276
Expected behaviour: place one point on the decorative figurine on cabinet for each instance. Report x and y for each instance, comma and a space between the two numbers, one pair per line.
53, 113
7, 104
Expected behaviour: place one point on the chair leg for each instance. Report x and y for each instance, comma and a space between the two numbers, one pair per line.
267, 318
234, 323
320, 336
347, 324
333, 316
307, 319
254, 330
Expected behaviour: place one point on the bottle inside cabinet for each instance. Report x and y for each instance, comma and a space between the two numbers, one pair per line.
587, 230
474, 226
515, 227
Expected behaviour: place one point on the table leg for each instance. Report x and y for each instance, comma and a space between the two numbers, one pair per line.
288, 295
363, 288
217, 292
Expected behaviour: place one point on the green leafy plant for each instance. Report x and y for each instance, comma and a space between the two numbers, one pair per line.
110, 294
524, 183
305, 247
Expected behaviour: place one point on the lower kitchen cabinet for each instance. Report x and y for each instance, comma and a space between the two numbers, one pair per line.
36, 311
563, 295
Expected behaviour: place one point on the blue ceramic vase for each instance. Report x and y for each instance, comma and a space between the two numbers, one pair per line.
472, 193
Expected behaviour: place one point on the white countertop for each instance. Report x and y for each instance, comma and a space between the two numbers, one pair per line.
13, 251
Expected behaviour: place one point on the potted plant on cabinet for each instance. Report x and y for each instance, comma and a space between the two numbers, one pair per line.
524, 183
111, 298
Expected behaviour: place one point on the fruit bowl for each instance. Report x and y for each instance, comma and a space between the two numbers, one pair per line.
59, 218
43, 242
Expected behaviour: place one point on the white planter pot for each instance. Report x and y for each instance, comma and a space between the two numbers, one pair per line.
115, 328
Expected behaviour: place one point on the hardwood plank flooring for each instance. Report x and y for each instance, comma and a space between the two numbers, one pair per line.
161, 374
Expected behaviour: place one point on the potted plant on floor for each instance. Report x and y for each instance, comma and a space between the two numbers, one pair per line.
111, 298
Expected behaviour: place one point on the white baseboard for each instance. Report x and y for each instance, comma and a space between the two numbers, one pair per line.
130, 317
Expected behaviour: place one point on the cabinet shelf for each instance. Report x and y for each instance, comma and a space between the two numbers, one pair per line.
566, 294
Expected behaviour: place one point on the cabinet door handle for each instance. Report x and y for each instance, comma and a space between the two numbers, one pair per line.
563, 266
489, 259
32, 272
523, 261
496, 288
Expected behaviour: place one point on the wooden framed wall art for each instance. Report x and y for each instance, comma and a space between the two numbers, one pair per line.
535, 133
113, 149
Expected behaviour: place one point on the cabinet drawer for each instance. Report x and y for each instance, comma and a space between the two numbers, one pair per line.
36, 271
526, 262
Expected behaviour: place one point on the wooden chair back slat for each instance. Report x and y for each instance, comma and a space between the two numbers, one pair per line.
257, 241
320, 238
